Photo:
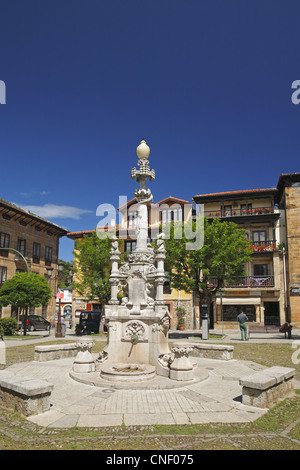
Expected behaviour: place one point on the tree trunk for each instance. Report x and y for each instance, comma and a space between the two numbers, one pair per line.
25, 321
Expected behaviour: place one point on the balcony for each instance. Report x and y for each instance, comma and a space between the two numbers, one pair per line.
231, 213
248, 281
263, 246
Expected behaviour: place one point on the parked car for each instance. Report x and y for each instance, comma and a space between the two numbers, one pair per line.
89, 322
34, 322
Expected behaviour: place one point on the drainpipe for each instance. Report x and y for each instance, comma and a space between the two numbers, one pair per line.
285, 286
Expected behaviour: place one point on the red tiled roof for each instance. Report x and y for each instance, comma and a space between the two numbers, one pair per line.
242, 191
163, 201
173, 199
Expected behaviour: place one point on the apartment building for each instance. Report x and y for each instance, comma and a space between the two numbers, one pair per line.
270, 292
37, 240
167, 210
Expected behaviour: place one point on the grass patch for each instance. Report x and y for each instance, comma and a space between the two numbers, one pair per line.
267, 354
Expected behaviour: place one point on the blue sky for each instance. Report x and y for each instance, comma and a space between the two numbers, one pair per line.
207, 83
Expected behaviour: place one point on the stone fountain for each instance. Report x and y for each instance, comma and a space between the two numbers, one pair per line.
137, 346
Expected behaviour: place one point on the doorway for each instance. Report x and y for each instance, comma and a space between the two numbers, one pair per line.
272, 313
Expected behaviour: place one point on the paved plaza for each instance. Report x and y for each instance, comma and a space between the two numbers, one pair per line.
216, 399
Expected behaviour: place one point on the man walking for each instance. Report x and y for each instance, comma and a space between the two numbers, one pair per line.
242, 318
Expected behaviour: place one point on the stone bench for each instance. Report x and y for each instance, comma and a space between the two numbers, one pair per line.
25, 395
213, 351
267, 387
55, 351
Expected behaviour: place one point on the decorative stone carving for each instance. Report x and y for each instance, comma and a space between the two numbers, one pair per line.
103, 356
163, 324
165, 359
84, 361
141, 257
181, 368
134, 328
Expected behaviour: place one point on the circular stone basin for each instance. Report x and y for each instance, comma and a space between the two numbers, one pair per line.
127, 372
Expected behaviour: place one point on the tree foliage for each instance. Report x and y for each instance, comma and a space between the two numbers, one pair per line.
65, 277
208, 269
92, 268
25, 290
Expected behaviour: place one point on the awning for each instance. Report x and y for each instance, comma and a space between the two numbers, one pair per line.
239, 300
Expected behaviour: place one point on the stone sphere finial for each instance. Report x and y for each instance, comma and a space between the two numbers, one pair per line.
143, 150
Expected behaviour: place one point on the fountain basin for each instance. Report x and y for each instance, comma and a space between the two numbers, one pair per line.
125, 372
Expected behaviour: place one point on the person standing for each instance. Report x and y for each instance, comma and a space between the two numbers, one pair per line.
242, 319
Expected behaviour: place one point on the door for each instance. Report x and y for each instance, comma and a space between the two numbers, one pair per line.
272, 313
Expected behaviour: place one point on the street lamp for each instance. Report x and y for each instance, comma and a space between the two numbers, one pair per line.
58, 333
20, 254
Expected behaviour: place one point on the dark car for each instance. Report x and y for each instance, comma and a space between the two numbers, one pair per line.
34, 322
89, 322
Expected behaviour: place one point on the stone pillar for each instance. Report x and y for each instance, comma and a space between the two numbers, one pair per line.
84, 361
181, 368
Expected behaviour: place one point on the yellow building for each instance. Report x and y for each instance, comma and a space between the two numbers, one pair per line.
170, 209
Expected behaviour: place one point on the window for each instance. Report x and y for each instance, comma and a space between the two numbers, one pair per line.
48, 255
132, 216
171, 215
130, 246
260, 270
21, 247
246, 209
36, 252
230, 312
259, 236
4, 243
227, 211
3, 274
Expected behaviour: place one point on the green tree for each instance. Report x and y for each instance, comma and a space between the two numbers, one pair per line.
92, 268
25, 290
206, 271
66, 278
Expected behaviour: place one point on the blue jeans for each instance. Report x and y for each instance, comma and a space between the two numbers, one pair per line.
243, 328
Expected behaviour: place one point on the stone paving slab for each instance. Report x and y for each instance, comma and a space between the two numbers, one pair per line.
77, 404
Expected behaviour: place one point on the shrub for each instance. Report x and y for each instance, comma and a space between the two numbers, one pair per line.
8, 326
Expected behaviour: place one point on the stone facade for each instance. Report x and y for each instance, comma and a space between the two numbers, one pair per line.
292, 206
38, 240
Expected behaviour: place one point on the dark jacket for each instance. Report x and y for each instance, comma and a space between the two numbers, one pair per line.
242, 318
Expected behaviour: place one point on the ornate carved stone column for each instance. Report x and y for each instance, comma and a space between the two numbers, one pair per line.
84, 361
181, 368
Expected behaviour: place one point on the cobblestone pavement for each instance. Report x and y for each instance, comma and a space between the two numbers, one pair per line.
216, 399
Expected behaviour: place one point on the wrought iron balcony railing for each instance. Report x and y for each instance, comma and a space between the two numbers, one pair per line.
248, 281
239, 212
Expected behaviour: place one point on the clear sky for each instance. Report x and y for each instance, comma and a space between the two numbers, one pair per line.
207, 83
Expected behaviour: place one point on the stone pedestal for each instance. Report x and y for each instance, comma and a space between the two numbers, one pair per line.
2, 352
181, 368
84, 361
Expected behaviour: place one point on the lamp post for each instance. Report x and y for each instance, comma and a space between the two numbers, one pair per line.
58, 333
20, 254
